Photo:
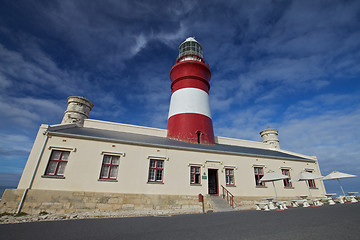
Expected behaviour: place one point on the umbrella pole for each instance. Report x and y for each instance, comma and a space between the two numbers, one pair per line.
341, 186
275, 191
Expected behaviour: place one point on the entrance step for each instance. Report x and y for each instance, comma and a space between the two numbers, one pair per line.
220, 204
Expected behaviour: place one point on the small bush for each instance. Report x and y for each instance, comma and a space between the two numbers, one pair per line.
20, 214
42, 213
6, 214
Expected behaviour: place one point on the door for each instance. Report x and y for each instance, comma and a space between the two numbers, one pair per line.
213, 182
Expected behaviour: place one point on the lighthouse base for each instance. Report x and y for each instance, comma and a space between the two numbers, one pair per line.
191, 127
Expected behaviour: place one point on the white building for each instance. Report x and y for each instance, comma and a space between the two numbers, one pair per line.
89, 165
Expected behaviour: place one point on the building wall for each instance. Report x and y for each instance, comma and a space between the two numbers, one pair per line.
121, 127
240, 142
81, 190
84, 165
62, 202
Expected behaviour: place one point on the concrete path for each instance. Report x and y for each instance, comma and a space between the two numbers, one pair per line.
327, 222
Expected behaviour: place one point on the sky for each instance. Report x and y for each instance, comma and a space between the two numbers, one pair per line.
290, 65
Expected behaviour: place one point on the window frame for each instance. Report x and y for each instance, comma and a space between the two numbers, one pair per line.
156, 169
58, 161
195, 174
111, 165
311, 182
228, 176
258, 176
287, 183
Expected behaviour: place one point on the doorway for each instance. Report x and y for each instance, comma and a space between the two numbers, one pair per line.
213, 182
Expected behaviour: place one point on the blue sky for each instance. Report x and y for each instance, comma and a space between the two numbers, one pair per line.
290, 65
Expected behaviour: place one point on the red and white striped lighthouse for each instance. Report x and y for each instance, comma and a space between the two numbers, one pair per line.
189, 117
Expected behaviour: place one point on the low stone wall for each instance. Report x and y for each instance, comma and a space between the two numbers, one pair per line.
61, 202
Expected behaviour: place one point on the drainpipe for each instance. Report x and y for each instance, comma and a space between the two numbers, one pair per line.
46, 133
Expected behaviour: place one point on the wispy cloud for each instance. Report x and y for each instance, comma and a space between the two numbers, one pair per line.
9, 179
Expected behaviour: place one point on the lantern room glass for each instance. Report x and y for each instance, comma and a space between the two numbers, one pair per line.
189, 48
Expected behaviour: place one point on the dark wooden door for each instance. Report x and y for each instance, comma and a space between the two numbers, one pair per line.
213, 181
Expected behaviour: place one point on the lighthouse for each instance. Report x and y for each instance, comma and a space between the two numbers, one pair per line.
189, 118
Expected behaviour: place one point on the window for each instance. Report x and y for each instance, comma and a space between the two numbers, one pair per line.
229, 175
259, 173
198, 133
57, 163
286, 181
109, 168
311, 182
156, 170
195, 175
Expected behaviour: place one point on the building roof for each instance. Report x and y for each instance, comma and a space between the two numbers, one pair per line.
154, 141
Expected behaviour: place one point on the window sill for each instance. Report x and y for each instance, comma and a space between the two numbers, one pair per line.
195, 184
313, 188
233, 185
261, 186
50, 176
155, 182
289, 188
107, 180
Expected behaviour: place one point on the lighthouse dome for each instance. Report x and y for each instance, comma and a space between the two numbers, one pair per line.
190, 49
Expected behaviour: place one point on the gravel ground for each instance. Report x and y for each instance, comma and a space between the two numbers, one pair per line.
6, 218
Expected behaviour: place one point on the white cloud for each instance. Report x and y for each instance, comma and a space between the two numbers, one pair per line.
15, 144
29, 111
32, 71
9, 179
140, 44
172, 38
4, 82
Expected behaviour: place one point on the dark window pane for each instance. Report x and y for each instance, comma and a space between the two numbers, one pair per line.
115, 160
197, 178
65, 156
107, 159
61, 168
104, 171
160, 164
151, 174
51, 168
159, 175
55, 155
113, 172
231, 179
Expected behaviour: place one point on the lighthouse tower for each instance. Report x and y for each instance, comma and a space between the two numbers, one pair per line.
189, 117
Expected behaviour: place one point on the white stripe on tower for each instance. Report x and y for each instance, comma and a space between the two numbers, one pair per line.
189, 100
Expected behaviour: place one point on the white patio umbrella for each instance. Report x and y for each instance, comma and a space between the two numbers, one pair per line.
305, 176
272, 176
337, 175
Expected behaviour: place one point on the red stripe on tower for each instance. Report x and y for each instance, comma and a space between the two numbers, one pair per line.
189, 117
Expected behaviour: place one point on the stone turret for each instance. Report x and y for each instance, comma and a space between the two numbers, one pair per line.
270, 136
78, 109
